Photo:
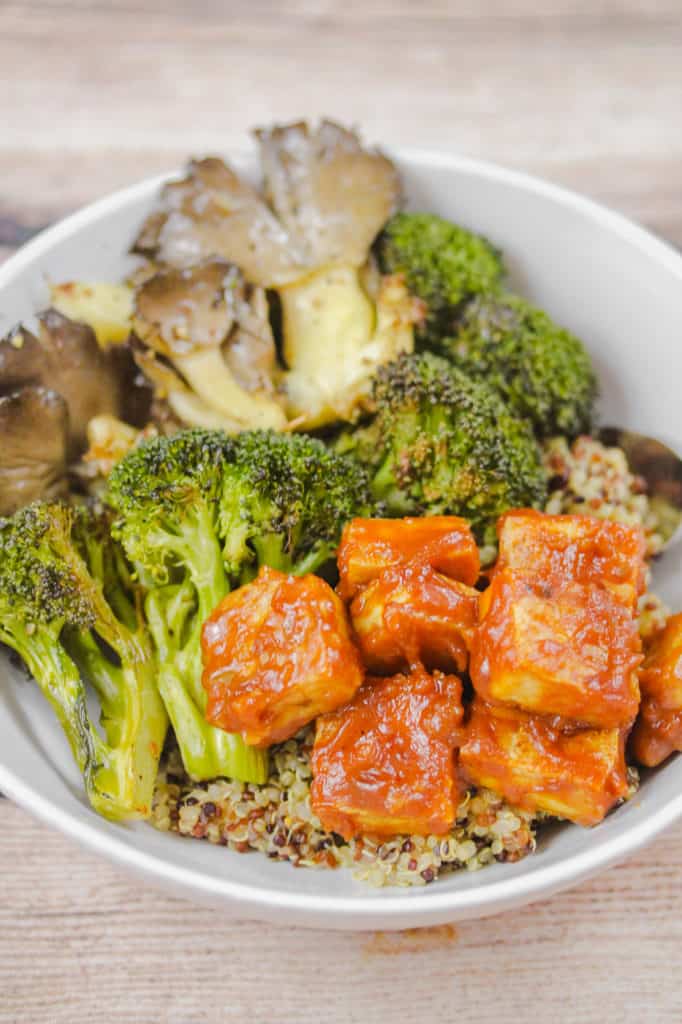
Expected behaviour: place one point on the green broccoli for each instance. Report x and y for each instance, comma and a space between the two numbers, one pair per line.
197, 513
441, 442
68, 623
541, 370
444, 265
285, 500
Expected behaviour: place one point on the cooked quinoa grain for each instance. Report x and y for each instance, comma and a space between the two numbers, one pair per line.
587, 478
276, 818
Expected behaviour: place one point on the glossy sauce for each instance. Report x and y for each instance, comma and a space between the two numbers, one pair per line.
412, 615
571, 651
385, 763
657, 733
535, 765
661, 674
579, 549
277, 653
368, 546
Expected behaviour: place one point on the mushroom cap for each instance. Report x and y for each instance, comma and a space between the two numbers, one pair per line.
210, 305
34, 425
192, 227
325, 200
202, 335
331, 195
179, 310
65, 357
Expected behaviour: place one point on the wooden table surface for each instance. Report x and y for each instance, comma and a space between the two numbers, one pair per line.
97, 95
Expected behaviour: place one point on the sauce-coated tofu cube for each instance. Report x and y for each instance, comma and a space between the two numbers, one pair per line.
277, 653
412, 614
661, 674
573, 651
657, 733
576, 775
368, 546
384, 764
582, 549
658, 729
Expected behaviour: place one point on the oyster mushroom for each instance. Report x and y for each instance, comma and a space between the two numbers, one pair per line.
205, 342
51, 385
34, 425
308, 236
65, 357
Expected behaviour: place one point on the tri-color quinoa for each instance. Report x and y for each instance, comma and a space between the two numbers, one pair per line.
277, 819
586, 478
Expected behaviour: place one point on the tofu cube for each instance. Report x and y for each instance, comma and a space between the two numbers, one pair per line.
657, 733
573, 651
661, 674
368, 546
581, 549
576, 775
658, 730
384, 764
277, 653
413, 615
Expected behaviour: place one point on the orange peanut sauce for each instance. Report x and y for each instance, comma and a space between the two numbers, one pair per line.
411, 615
657, 733
572, 651
368, 546
571, 548
277, 653
384, 763
530, 760
661, 673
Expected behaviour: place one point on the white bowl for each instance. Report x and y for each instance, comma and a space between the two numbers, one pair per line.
613, 284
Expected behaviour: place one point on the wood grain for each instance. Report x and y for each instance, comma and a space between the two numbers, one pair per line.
94, 96
75, 935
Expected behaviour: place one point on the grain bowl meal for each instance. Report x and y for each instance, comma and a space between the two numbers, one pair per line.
315, 510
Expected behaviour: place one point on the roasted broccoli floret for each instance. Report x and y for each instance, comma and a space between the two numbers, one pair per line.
66, 610
541, 370
307, 236
284, 502
441, 442
443, 263
165, 495
198, 513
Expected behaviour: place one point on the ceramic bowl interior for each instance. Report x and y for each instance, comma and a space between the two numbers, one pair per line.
611, 283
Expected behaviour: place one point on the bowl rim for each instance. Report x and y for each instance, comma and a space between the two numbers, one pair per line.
397, 908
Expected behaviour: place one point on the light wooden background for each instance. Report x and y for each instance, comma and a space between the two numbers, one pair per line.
97, 95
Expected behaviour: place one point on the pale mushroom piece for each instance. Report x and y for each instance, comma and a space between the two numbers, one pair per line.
213, 212
332, 196
205, 341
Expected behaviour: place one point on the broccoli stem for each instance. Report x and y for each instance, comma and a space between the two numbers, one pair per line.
133, 715
207, 752
108, 780
199, 550
270, 551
